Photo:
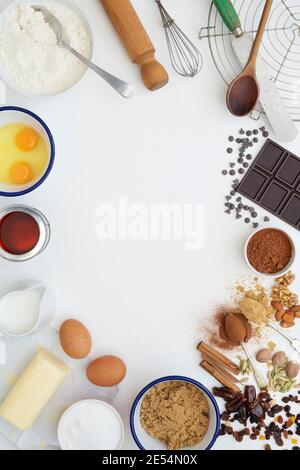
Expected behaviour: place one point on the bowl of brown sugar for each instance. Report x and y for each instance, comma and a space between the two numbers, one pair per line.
270, 251
173, 413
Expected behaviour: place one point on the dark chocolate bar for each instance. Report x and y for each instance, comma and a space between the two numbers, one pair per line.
273, 182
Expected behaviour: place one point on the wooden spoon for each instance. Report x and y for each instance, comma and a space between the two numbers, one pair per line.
243, 93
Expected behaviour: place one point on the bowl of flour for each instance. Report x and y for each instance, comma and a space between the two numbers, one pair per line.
31, 62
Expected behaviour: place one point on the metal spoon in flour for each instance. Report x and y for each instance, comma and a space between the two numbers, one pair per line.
120, 86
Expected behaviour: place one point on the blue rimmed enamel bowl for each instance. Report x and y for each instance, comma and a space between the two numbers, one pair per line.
146, 442
11, 115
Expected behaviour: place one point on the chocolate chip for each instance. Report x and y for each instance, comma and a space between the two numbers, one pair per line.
245, 165
232, 172
255, 132
267, 219
247, 220
242, 131
255, 224
249, 156
231, 138
232, 164
255, 140
241, 171
265, 134
224, 172
229, 150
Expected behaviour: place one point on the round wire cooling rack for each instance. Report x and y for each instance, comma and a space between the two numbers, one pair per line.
280, 48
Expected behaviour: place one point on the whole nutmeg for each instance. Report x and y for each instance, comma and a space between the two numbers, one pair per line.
279, 359
264, 355
292, 369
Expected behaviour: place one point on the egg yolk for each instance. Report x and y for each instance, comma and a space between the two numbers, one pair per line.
26, 139
20, 173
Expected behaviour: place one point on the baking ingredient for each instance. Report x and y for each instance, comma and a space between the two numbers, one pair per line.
106, 371
75, 339
235, 328
29, 52
19, 233
269, 251
241, 321
261, 187
284, 301
220, 374
26, 139
33, 390
218, 358
253, 311
268, 419
279, 358
279, 381
176, 413
19, 311
24, 154
264, 355
90, 425
234, 204
292, 369
245, 367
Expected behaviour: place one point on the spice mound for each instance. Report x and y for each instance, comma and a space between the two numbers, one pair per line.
176, 413
269, 251
234, 328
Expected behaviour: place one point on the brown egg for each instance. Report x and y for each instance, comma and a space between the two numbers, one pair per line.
106, 371
75, 339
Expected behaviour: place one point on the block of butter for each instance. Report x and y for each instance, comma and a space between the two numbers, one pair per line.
33, 389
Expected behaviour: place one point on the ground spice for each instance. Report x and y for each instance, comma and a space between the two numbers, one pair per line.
175, 412
269, 251
234, 328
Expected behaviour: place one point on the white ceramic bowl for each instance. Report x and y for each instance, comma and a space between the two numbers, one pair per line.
279, 273
146, 442
12, 114
71, 415
8, 5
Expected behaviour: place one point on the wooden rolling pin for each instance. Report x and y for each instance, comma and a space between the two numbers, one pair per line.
137, 42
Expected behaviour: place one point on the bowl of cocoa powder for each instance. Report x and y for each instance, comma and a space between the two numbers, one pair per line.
269, 252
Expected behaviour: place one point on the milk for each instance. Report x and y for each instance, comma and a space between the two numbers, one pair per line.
19, 311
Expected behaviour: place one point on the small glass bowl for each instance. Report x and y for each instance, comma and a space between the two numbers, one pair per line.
45, 233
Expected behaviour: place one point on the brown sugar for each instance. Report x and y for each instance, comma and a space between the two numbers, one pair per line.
176, 413
269, 251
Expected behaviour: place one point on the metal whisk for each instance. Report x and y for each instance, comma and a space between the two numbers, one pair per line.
185, 57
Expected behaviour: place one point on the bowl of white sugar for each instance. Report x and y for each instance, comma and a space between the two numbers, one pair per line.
31, 61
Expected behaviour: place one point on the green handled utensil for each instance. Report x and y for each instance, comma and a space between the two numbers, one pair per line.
270, 99
230, 16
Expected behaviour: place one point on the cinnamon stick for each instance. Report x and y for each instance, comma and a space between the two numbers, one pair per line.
219, 376
224, 372
218, 358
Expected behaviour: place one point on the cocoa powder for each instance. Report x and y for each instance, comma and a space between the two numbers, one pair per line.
269, 251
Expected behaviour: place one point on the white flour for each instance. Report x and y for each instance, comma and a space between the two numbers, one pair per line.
30, 55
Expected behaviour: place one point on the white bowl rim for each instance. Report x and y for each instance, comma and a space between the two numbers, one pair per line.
77, 10
178, 378
288, 266
93, 400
